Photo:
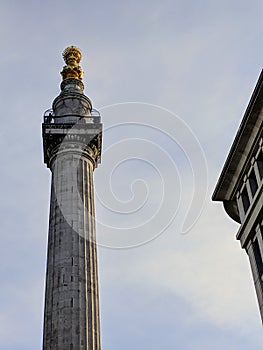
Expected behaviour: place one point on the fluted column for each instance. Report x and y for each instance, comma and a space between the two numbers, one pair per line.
72, 305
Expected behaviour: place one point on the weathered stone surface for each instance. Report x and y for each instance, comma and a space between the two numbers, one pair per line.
72, 305
68, 108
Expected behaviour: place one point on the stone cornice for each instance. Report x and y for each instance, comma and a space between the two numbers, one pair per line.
81, 138
244, 143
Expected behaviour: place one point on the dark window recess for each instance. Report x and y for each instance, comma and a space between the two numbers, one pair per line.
260, 164
64, 282
253, 182
258, 257
71, 346
261, 230
71, 303
245, 199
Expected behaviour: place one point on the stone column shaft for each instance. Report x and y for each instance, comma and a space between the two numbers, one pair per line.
71, 319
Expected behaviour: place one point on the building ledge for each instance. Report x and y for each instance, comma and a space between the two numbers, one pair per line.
242, 145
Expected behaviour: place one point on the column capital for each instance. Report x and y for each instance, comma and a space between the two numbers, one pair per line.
83, 139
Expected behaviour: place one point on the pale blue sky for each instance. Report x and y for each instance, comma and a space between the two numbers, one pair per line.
198, 59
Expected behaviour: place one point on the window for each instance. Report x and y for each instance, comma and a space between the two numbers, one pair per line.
253, 182
260, 164
245, 199
261, 230
258, 257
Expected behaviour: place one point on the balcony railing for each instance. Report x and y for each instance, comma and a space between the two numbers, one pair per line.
49, 117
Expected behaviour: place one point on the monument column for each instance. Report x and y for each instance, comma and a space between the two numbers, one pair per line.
72, 148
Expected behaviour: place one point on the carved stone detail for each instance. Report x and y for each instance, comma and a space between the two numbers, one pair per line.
83, 138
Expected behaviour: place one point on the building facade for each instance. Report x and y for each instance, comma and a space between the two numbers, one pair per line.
72, 135
240, 186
